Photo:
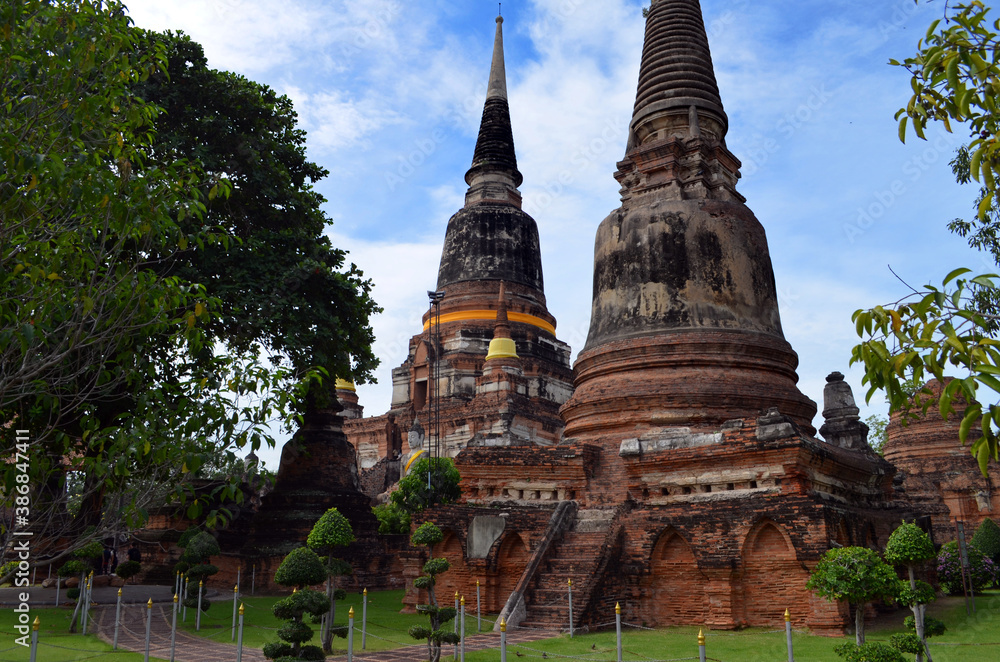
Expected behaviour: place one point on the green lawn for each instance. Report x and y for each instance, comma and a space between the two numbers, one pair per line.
55, 644
386, 626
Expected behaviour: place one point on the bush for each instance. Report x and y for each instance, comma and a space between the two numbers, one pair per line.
987, 539
300, 568
72, 593
73, 568
391, 518
8, 567
128, 569
949, 569
869, 652
191, 601
907, 642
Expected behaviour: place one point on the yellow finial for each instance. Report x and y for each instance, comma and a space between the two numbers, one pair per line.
456, 595
365, 592
149, 605
295, 590
175, 597
37, 624
200, 583
477, 583
503, 624
236, 588
788, 616
119, 593
241, 609
701, 637
463, 600
350, 612
618, 608
569, 582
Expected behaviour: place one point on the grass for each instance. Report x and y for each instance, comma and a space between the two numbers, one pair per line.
55, 644
386, 626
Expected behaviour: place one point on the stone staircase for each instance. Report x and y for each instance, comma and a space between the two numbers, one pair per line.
578, 555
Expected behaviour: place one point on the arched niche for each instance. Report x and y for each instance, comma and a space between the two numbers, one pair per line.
677, 586
773, 578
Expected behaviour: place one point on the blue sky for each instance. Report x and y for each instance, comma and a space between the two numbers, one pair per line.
391, 93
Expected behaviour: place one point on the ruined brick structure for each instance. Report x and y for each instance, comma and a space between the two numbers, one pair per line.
936, 473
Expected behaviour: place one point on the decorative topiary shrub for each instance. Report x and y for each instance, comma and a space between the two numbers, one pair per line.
428, 535
870, 652
911, 547
301, 568
331, 531
949, 568
128, 569
857, 575
199, 547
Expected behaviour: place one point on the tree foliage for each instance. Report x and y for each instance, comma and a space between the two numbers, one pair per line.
987, 539
331, 531
413, 495
855, 574
300, 568
427, 535
951, 328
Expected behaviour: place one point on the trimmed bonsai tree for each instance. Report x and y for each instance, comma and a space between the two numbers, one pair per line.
427, 535
331, 531
127, 570
854, 574
911, 547
300, 569
200, 548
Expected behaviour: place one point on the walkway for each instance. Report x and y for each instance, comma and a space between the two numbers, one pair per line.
190, 648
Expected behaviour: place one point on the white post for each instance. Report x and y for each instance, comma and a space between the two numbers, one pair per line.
118, 618
197, 609
149, 625
86, 599
33, 571
569, 586
173, 629
701, 645
58, 582
454, 623
236, 593
479, 613
788, 635
503, 640
239, 640
34, 639
462, 635
187, 581
364, 618
350, 635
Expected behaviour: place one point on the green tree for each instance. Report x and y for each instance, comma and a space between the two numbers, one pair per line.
854, 574
198, 551
413, 494
910, 546
949, 328
300, 569
331, 531
97, 329
427, 535
877, 435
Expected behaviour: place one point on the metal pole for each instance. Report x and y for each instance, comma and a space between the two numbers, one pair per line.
236, 593
197, 609
118, 618
462, 635
33, 571
253, 578
237, 576
58, 582
503, 640
149, 625
173, 629
350, 635
701, 645
454, 624
364, 618
618, 629
479, 613
34, 639
788, 635
569, 585
86, 599
177, 583
239, 639
187, 581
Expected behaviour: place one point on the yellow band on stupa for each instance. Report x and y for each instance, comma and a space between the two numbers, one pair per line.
491, 315
344, 385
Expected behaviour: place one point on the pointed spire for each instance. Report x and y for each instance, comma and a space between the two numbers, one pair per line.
676, 75
494, 160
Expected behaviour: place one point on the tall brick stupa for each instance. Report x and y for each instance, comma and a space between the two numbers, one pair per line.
491, 243
684, 327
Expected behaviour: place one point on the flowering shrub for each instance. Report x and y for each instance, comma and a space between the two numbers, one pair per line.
949, 569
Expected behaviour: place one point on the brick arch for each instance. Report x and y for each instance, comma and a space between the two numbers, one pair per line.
676, 584
843, 534
447, 583
773, 577
512, 559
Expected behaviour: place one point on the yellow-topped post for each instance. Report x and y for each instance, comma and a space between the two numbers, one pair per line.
569, 599
618, 628
701, 645
479, 611
236, 595
149, 627
173, 629
34, 639
788, 634
503, 639
364, 618
118, 618
239, 638
350, 634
